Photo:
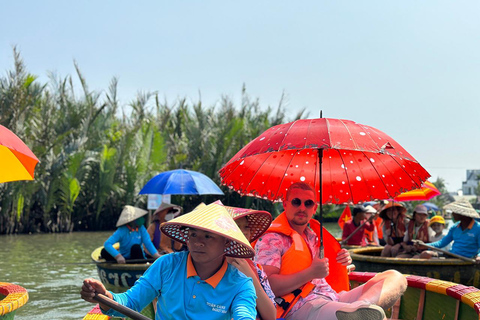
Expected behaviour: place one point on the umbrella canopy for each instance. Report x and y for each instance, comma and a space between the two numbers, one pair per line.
431, 206
426, 192
345, 161
181, 181
17, 161
358, 162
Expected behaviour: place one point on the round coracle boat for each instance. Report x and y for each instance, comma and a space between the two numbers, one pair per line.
425, 298
118, 277
448, 269
12, 297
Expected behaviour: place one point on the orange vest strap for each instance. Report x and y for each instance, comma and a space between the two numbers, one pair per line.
299, 259
285, 303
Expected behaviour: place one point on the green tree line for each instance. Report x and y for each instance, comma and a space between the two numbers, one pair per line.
96, 155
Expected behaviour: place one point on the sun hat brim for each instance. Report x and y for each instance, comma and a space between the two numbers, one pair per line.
213, 218
129, 214
391, 204
258, 221
436, 219
370, 209
164, 206
463, 208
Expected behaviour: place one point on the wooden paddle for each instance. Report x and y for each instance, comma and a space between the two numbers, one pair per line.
118, 307
419, 242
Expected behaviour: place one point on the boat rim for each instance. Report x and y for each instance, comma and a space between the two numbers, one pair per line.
360, 255
113, 265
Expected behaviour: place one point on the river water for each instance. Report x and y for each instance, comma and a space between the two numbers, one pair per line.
52, 267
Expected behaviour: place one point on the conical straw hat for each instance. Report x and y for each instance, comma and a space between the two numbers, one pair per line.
258, 221
212, 218
462, 207
164, 206
383, 213
130, 214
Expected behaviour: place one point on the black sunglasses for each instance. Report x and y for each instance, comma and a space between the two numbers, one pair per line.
297, 202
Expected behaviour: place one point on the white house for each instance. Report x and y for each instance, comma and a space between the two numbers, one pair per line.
469, 186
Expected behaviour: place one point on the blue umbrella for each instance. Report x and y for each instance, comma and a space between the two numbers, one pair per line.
370, 203
430, 206
181, 181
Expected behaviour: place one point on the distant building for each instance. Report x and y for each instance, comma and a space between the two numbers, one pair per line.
469, 186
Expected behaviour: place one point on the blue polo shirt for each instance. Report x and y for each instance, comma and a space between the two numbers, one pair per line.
181, 293
465, 242
127, 239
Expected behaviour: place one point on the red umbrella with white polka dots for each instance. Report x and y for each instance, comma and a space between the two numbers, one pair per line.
345, 161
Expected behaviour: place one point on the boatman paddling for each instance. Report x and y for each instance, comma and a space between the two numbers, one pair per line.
198, 284
465, 234
289, 254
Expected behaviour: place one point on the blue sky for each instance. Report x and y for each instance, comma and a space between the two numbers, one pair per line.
408, 68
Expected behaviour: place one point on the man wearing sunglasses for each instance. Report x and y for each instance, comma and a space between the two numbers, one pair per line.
289, 253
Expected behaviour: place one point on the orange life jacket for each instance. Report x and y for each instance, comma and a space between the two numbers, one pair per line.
370, 236
299, 256
397, 228
378, 223
422, 233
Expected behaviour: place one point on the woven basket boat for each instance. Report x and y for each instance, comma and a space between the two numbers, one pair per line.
450, 269
12, 297
425, 298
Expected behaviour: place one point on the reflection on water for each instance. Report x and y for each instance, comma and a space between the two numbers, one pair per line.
52, 267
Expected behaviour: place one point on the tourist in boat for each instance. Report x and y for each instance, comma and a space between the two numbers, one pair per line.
194, 284
253, 223
289, 254
465, 233
437, 227
131, 234
371, 237
394, 227
437, 231
165, 212
357, 226
378, 221
417, 229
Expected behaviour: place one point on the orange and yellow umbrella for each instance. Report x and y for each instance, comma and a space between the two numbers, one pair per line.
426, 192
17, 161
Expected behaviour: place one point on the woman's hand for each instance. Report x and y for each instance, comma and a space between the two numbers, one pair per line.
242, 265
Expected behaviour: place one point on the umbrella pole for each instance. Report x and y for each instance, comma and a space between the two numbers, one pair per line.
320, 159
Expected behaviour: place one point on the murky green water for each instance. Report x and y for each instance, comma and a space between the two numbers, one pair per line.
52, 267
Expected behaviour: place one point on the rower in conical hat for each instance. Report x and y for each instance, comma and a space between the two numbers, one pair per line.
253, 224
465, 233
214, 219
131, 234
194, 284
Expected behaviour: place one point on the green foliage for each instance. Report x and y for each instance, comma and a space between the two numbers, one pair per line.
95, 156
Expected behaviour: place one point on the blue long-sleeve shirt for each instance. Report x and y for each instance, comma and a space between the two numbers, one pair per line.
127, 239
465, 242
181, 293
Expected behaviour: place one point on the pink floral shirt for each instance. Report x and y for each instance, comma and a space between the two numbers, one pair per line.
269, 251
